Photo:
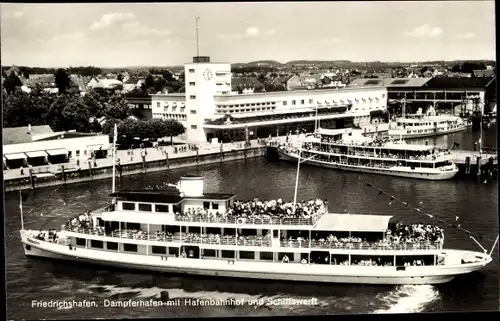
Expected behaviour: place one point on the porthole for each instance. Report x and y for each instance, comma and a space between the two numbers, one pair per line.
28, 247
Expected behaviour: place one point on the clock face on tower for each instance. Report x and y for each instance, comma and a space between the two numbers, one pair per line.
207, 74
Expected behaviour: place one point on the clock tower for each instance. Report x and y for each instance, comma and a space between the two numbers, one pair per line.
203, 81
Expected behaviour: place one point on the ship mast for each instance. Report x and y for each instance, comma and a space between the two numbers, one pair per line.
115, 136
21, 208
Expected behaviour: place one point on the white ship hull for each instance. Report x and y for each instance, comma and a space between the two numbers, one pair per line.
407, 172
258, 269
396, 133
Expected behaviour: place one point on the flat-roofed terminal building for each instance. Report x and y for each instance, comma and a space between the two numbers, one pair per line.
209, 109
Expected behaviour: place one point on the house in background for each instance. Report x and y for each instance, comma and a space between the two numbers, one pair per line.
246, 85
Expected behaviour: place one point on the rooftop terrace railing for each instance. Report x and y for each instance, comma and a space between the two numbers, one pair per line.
230, 240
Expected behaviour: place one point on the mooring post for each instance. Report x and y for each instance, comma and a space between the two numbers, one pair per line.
478, 162
119, 169
144, 163
166, 160
90, 169
63, 174
197, 157
221, 153
32, 179
467, 165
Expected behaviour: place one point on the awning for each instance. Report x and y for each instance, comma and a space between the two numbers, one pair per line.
15, 156
353, 223
94, 147
39, 153
55, 152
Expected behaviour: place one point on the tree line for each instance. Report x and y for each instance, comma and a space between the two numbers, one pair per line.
69, 110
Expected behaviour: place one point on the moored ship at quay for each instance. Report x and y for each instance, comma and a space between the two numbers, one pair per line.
421, 125
346, 150
184, 230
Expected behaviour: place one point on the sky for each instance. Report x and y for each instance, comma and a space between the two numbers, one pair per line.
164, 34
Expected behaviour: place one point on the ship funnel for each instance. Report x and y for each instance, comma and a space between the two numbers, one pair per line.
191, 186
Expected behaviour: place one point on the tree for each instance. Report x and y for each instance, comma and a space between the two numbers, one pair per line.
149, 81
12, 82
167, 75
119, 77
92, 101
62, 80
69, 112
160, 84
239, 89
174, 128
117, 108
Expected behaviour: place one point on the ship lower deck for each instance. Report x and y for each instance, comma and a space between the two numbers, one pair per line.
432, 274
391, 171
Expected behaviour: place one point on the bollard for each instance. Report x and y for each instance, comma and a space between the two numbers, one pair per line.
144, 163
63, 174
197, 157
90, 169
220, 156
478, 162
120, 169
467, 165
166, 160
32, 179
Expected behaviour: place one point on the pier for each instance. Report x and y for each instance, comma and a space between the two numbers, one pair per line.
129, 164
475, 163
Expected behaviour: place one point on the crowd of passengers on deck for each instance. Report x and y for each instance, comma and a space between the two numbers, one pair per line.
262, 210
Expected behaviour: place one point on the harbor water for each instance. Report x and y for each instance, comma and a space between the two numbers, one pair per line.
474, 202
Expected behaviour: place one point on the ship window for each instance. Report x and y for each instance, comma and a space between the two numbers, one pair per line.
159, 250
128, 206
145, 207
227, 254
209, 253
173, 251
112, 246
127, 247
266, 256
206, 205
215, 205
96, 244
80, 241
161, 208
247, 255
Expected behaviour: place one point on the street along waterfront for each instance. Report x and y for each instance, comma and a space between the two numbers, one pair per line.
28, 278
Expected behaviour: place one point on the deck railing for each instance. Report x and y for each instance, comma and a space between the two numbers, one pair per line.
262, 242
248, 220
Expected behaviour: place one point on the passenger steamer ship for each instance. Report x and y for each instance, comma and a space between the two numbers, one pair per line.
343, 149
146, 230
425, 125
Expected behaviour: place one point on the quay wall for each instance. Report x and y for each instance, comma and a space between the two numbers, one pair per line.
72, 175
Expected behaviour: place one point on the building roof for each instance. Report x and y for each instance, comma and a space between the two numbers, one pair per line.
18, 135
44, 80
390, 82
353, 222
245, 82
455, 82
484, 73
68, 135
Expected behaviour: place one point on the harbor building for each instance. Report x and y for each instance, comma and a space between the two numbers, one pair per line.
449, 93
39, 145
211, 111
